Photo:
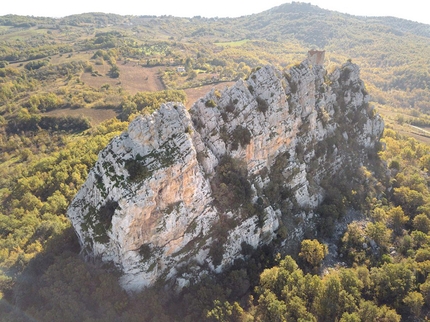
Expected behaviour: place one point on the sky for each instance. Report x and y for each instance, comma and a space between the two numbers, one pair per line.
412, 9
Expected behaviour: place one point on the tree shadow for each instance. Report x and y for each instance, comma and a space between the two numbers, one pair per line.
21, 292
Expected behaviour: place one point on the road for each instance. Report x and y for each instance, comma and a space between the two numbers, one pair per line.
418, 128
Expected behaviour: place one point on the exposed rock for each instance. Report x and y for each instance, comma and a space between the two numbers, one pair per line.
153, 204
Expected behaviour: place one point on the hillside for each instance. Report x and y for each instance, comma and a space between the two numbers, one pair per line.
63, 81
75, 56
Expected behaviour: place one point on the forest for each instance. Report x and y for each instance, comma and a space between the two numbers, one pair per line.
69, 85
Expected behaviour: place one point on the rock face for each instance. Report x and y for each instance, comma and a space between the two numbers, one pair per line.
184, 193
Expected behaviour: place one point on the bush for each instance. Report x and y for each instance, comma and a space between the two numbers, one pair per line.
230, 107
65, 123
35, 64
210, 103
230, 184
114, 71
293, 87
345, 73
150, 101
242, 136
137, 171
45, 102
262, 105
106, 213
145, 251
313, 252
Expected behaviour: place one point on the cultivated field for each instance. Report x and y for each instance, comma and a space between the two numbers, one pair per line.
96, 115
133, 78
193, 94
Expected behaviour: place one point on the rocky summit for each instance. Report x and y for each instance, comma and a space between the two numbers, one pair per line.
185, 193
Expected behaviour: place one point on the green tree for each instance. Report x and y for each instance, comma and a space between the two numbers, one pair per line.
114, 71
270, 308
420, 239
425, 163
422, 223
370, 312
352, 244
425, 290
329, 304
128, 108
297, 311
313, 252
273, 279
392, 282
379, 214
350, 317
225, 312
409, 199
351, 283
397, 219
380, 234
414, 301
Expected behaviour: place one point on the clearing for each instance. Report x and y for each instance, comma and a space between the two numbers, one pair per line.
132, 78
96, 115
193, 94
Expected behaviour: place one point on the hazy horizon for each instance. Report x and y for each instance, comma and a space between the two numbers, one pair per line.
411, 10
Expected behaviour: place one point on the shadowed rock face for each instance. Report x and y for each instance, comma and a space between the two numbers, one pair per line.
154, 203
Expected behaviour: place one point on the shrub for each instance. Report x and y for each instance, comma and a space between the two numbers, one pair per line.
145, 251
89, 68
137, 171
230, 184
345, 74
35, 64
45, 102
64, 123
106, 213
262, 105
151, 101
210, 103
293, 87
313, 252
230, 107
276, 191
216, 251
220, 234
114, 71
242, 136
189, 130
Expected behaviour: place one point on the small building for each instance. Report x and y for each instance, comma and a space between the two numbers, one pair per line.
316, 57
180, 69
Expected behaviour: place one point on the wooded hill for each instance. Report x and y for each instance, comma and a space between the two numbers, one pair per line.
97, 60
62, 82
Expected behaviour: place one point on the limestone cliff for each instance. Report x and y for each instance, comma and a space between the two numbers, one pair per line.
182, 193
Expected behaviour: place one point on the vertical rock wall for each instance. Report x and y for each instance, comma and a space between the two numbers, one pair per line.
150, 203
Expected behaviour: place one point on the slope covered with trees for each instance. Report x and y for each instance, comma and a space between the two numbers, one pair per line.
383, 271
107, 63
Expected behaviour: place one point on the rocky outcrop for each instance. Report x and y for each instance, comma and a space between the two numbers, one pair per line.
182, 193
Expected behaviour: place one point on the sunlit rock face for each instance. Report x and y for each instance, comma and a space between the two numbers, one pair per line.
152, 203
